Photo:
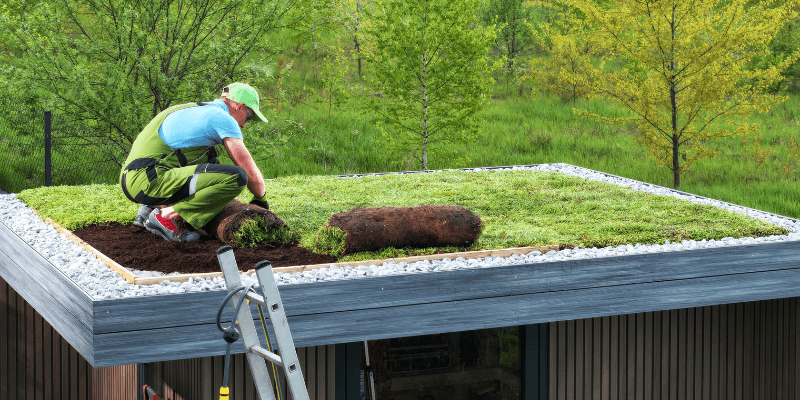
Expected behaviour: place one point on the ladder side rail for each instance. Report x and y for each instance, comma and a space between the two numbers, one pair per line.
283, 336
258, 366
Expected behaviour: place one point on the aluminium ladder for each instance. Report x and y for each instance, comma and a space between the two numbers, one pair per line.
257, 356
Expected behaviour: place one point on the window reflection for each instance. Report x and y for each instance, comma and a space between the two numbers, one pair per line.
472, 365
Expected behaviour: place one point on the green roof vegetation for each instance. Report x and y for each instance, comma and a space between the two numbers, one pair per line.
518, 208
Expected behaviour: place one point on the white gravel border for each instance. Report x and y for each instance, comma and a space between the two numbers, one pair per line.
102, 283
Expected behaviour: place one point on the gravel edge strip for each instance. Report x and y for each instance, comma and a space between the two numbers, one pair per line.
102, 283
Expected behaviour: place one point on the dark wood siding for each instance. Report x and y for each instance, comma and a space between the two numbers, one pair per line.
200, 378
734, 351
37, 363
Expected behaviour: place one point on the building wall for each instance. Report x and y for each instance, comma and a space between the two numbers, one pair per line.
37, 363
201, 378
735, 351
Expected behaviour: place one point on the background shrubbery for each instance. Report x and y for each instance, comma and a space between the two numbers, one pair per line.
308, 64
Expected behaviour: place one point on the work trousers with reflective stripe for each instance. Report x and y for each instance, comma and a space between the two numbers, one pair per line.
200, 192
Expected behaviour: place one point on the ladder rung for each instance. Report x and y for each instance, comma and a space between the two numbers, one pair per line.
257, 298
267, 355
260, 300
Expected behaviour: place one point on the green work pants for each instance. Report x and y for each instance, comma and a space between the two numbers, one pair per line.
197, 193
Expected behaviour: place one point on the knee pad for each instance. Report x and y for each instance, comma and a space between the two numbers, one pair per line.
241, 174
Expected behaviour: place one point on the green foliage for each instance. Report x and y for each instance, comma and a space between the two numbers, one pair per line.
255, 232
567, 70
514, 38
792, 161
690, 79
430, 69
351, 14
111, 65
518, 208
315, 20
328, 240
334, 72
785, 43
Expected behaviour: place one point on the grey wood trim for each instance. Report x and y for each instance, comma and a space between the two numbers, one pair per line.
72, 330
422, 319
47, 292
155, 312
166, 344
20, 260
541, 307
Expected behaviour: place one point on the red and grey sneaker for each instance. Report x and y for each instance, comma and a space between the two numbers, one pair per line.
141, 216
169, 229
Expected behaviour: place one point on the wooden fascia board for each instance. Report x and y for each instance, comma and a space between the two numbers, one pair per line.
403, 305
422, 319
52, 294
153, 312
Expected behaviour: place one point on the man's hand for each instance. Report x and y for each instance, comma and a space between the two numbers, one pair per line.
261, 202
242, 158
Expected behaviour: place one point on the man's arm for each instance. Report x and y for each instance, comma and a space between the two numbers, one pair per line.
242, 158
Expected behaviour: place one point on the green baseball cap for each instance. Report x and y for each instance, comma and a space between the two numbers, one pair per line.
244, 93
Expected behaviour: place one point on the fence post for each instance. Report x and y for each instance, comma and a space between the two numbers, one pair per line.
47, 154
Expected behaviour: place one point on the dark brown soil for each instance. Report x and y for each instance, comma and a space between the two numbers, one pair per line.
134, 247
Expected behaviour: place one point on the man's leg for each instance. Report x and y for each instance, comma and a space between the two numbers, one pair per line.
195, 193
213, 187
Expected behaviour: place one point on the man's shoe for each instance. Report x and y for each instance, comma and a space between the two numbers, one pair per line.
141, 216
169, 229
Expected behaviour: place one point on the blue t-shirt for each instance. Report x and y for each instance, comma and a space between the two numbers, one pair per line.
199, 126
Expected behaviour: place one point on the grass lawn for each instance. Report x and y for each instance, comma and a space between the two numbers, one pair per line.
518, 208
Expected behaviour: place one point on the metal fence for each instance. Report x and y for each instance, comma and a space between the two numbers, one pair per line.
75, 154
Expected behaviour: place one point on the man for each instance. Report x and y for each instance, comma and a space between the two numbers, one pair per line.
173, 171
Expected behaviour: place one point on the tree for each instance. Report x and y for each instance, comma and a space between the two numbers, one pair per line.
686, 78
111, 65
315, 19
567, 69
785, 42
334, 78
429, 62
514, 36
351, 17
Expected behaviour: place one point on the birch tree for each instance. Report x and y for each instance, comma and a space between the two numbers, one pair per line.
691, 82
430, 69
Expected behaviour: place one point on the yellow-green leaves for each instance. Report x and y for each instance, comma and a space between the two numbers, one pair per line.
567, 70
688, 80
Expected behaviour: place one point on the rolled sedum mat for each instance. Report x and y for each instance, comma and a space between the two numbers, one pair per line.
231, 218
422, 226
